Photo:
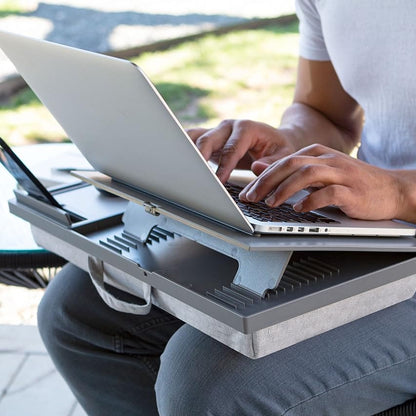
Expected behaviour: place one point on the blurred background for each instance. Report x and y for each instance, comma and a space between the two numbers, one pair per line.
233, 59
209, 60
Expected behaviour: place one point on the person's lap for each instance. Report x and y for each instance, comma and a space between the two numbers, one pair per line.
111, 360
358, 369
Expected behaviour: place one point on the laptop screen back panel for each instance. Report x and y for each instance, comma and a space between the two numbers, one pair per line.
112, 113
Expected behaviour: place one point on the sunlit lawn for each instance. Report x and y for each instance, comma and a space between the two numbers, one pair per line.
8, 7
243, 74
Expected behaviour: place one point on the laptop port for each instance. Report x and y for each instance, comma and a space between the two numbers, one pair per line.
314, 230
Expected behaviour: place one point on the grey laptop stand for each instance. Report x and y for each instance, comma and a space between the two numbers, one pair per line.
255, 294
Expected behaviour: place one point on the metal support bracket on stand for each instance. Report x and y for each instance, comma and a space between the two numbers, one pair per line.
258, 271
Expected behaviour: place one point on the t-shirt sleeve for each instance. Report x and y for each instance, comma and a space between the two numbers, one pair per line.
312, 44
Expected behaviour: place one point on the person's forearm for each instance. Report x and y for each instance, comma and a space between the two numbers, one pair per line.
306, 126
406, 205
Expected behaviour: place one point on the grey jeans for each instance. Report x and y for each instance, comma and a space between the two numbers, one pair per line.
111, 361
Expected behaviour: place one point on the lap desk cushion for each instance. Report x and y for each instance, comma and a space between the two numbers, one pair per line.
238, 327
326, 283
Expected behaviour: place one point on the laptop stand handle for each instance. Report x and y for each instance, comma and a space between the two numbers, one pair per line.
97, 273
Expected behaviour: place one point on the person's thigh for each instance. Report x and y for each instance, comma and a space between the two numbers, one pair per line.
358, 369
109, 359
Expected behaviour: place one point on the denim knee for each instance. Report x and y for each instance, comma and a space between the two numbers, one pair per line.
360, 368
55, 308
46, 325
190, 380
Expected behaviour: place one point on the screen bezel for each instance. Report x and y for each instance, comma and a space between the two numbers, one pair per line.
24, 177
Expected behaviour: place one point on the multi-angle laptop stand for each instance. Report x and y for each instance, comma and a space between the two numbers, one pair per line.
255, 294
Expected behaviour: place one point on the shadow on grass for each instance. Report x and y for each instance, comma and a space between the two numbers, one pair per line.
35, 139
292, 27
5, 13
24, 97
183, 100
97, 26
177, 95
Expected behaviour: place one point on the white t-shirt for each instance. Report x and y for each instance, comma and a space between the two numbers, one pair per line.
372, 45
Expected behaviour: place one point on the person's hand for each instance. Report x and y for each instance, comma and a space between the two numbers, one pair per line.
360, 190
241, 144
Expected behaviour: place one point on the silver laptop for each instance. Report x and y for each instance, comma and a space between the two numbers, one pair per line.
118, 120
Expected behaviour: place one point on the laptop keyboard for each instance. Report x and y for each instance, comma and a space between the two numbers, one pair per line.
283, 213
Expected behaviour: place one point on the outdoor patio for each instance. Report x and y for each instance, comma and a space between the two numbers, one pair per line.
29, 382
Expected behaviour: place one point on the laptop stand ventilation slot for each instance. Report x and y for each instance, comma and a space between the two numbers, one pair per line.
234, 296
300, 272
126, 241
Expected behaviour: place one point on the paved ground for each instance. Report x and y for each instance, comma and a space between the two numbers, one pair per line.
29, 383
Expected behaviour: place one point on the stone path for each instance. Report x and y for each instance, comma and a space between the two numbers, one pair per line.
29, 382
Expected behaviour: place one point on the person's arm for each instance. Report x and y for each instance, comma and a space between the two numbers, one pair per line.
322, 112
360, 190
288, 159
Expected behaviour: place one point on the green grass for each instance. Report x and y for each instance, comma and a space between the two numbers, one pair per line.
11, 7
245, 74
242, 74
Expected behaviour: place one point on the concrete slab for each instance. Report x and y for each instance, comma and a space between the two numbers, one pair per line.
10, 365
20, 339
37, 390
